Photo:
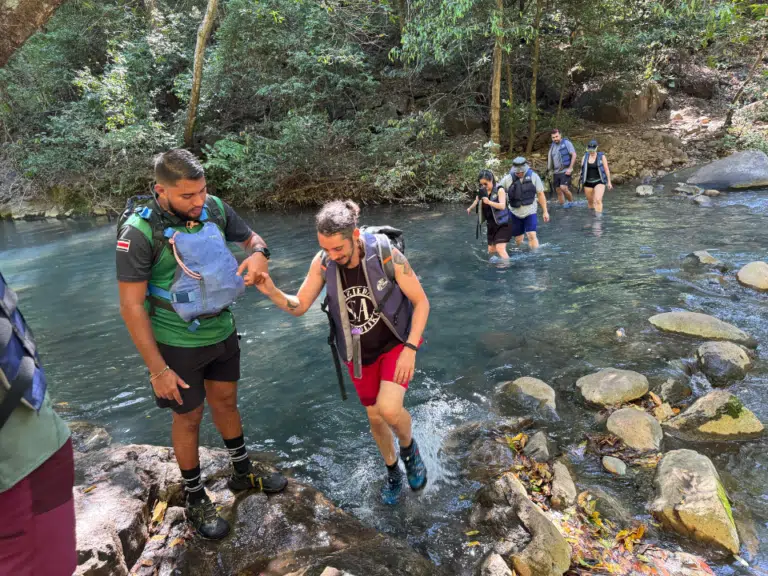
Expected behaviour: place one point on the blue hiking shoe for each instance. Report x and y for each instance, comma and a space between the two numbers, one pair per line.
414, 467
393, 485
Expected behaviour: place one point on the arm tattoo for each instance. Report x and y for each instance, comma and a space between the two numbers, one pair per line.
401, 260
291, 302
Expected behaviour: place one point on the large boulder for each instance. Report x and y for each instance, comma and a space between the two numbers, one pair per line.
723, 362
754, 275
616, 104
563, 489
636, 428
718, 416
747, 169
612, 386
519, 529
702, 326
530, 394
130, 519
691, 500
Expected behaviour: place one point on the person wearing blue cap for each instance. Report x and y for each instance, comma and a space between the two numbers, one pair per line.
524, 187
595, 176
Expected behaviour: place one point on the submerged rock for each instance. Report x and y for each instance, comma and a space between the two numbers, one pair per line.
674, 390
723, 362
118, 490
754, 275
636, 428
502, 510
87, 436
614, 465
563, 489
688, 190
704, 258
612, 386
529, 393
644, 190
718, 416
691, 500
494, 565
747, 169
702, 326
702, 200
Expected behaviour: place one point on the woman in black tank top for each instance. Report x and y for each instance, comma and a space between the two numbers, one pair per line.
594, 188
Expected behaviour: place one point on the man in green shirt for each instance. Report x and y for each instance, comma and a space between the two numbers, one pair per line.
188, 361
37, 512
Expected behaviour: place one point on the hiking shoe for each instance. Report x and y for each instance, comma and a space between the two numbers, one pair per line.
393, 484
269, 483
206, 520
414, 468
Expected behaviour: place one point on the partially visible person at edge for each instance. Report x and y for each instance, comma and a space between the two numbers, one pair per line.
495, 213
378, 325
524, 188
189, 362
595, 176
560, 161
37, 511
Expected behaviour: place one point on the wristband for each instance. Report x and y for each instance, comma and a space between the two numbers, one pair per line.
411, 346
153, 377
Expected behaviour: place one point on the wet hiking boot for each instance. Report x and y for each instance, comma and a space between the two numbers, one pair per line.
393, 484
269, 483
206, 520
414, 467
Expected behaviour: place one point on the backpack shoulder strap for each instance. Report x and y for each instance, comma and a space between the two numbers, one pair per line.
323, 263
385, 255
222, 216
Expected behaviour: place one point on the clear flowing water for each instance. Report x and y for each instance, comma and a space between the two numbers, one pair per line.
552, 314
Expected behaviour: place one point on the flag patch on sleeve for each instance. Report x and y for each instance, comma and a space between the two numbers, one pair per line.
123, 245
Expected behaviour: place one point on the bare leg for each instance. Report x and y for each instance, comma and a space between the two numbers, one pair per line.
589, 193
519, 240
501, 250
382, 434
185, 432
222, 398
560, 197
565, 190
390, 405
599, 191
533, 240
490, 249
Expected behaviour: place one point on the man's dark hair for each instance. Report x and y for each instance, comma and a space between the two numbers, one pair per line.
555, 130
177, 164
338, 217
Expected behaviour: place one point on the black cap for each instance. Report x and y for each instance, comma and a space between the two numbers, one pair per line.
592, 144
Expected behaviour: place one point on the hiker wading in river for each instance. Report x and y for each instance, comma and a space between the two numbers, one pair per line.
378, 313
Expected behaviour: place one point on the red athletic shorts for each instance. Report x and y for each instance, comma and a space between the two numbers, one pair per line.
37, 520
382, 369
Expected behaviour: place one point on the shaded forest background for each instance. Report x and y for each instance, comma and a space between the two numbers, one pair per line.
302, 100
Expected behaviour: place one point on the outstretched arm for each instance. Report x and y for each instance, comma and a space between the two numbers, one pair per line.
472, 206
409, 283
306, 296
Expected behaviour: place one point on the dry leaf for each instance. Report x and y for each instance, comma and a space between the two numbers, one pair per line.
159, 512
158, 537
147, 562
473, 543
655, 398
176, 542
472, 533
89, 489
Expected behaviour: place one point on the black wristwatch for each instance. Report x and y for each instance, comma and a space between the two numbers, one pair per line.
263, 250
411, 346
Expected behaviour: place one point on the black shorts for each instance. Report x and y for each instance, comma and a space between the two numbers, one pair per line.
219, 362
499, 234
562, 179
592, 184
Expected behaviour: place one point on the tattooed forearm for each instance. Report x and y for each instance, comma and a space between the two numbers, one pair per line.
400, 260
292, 302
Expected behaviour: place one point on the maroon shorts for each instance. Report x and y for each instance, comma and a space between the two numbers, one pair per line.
383, 369
37, 520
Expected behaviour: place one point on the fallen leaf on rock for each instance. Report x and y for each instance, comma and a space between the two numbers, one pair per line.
472, 533
89, 489
473, 543
158, 538
176, 542
159, 512
147, 562
655, 398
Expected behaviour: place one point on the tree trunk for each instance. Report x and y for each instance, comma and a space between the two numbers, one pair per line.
203, 33
536, 49
402, 8
496, 82
511, 103
19, 19
731, 108
564, 79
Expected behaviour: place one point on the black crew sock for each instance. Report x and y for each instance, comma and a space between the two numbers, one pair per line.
406, 451
238, 455
193, 485
393, 470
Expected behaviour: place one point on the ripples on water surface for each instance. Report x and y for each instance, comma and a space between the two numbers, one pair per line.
552, 314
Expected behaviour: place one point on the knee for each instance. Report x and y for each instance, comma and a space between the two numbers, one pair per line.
390, 414
189, 421
223, 404
375, 418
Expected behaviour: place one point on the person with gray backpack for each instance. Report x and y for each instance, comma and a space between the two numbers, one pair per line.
377, 311
177, 279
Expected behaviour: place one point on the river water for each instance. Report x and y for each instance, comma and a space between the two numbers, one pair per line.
552, 314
